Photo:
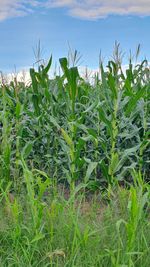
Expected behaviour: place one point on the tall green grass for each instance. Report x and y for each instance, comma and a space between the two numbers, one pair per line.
38, 229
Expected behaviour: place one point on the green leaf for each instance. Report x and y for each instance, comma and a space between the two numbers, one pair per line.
38, 237
54, 122
104, 169
91, 167
47, 68
35, 100
112, 85
34, 81
67, 138
18, 110
114, 163
27, 150
134, 99
64, 65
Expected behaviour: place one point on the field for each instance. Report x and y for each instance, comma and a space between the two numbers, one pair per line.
75, 167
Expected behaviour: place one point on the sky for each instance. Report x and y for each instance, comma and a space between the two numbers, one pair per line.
90, 26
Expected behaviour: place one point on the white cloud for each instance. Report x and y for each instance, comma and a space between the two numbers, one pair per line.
20, 76
15, 8
85, 9
94, 9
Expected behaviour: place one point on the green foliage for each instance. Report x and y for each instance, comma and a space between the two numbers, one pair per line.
83, 135
65, 125
43, 228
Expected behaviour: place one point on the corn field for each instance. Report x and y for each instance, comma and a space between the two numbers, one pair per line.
76, 131
75, 167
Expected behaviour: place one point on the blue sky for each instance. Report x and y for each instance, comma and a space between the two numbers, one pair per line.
89, 26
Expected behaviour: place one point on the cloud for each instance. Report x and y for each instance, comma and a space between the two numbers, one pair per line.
95, 9
15, 8
84, 9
